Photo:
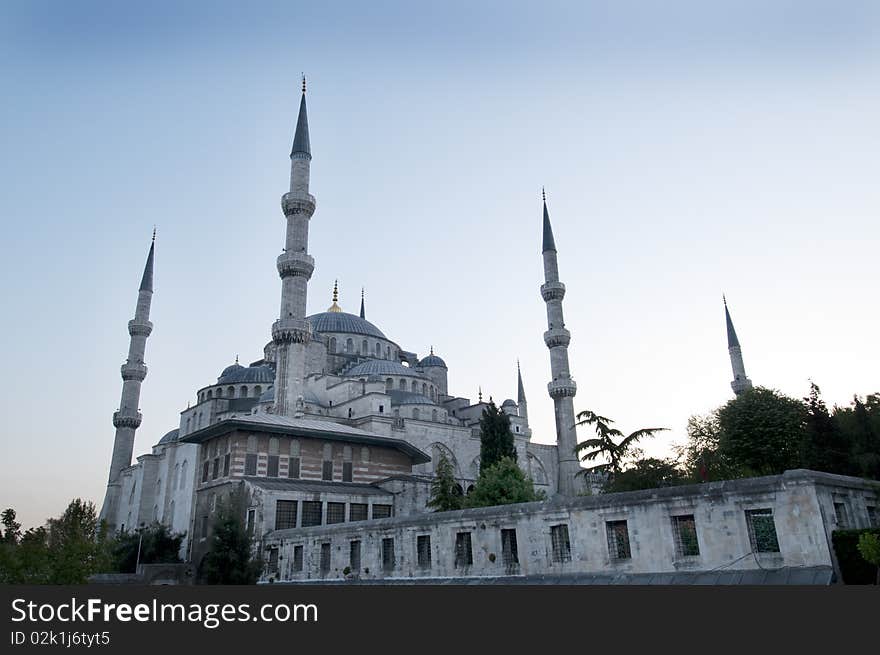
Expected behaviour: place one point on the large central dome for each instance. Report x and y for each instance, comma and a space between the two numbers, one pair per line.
342, 322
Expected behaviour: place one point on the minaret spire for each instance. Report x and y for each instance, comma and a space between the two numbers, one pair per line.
363, 314
291, 333
521, 403
561, 388
740, 381
127, 418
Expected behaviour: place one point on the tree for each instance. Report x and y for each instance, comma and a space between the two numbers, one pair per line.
445, 493
702, 456
647, 473
154, 544
11, 528
761, 431
78, 544
496, 439
502, 483
604, 444
230, 559
865, 435
869, 549
824, 447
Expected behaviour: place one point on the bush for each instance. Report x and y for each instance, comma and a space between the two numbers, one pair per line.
854, 569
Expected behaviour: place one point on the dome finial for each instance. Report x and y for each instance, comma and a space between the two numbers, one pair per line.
154, 234
236, 359
304, 82
543, 194
480, 393
334, 307
432, 350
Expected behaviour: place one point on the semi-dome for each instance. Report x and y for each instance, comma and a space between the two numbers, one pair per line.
508, 403
254, 373
432, 360
170, 437
343, 322
407, 398
381, 367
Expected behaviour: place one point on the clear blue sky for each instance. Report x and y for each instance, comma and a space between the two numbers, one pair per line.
688, 148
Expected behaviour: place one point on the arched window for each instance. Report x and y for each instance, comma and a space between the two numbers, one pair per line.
332, 344
415, 387
349, 345
365, 349
387, 352
378, 349
210, 395
258, 391
219, 392
389, 384
402, 384
243, 392
433, 414
424, 389
230, 391
416, 413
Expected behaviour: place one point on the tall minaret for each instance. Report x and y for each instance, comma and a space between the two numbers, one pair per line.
127, 418
291, 332
740, 382
521, 404
561, 388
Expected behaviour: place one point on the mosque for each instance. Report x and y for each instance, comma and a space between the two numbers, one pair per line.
337, 422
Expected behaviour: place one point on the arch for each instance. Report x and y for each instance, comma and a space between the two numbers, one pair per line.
402, 384
258, 391
365, 349
437, 449
378, 349
332, 344
389, 384
294, 448
415, 387
475, 468
536, 470
458, 491
434, 415
387, 352
274, 446
424, 389
230, 391
243, 392
433, 396
210, 394
349, 345
219, 392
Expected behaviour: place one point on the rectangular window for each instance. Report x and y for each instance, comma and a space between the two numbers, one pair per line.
273, 560
346, 471
423, 550
250, 464
618, 540
204, 527
311, 513
841, 516
226, 465
509, 554
684, 531
357, 512
762, 530
285, 514
327, 470
215, 472
325, 557
388, 554
293, 467
297, 559
251, 516
560, 543
872, 516
354, 555
205, 471
272, 467
464, 555
381, 511
335, 513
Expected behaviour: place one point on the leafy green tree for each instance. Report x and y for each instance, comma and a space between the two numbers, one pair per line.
864, 426
701, 455
502, 483
77, 544
647, 473
157, 544
869, 549
824, 447
230, 559
605, 445
762, 430
496, 439
11, 528
445, 492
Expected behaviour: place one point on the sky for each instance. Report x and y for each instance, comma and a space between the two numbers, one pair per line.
688, 149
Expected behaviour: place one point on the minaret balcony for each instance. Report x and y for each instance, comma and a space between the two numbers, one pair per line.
552, 291
295, 264
292, 330
139, 329
555, 337
295, 204
133, 371
561, 388
123, 419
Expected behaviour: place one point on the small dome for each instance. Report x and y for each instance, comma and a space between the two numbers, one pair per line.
432, 360
229, 370
407, 398
254, 373
508, 403
381, 367
339, 321
170, 437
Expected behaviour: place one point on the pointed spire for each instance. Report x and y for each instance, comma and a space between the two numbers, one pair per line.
520, 391
363, 316
147, 279
732, 340
334, 307
549, 243
301, 145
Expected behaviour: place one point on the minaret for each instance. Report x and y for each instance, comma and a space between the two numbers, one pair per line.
127, 418
561, 388
521, 395
740, 382
291, 333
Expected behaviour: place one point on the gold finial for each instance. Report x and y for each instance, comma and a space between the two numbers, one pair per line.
304, 82
334, 307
